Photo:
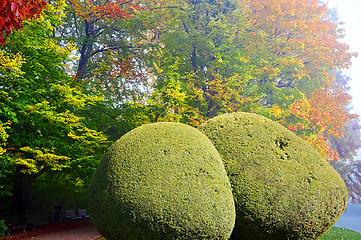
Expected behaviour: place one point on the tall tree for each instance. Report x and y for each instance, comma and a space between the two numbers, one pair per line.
40, 110
265, 56
9, 66
198, 60
347, 146
98, 27
108, 37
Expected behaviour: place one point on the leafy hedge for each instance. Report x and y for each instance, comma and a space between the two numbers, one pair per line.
282, 187
162, 181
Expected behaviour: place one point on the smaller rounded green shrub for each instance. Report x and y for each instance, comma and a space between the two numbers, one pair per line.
162, 181
282, 187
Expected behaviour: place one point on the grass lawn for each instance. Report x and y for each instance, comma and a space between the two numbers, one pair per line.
336, 233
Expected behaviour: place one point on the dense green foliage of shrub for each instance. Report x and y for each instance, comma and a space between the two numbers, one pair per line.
162, 181
283, 189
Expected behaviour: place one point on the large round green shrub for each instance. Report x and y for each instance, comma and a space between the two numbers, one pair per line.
283, 189
162, 181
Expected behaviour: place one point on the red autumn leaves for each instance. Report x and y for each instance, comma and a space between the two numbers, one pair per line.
14, 12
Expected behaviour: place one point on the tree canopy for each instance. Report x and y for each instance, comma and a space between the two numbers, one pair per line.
275, 58
78, 74
41, 126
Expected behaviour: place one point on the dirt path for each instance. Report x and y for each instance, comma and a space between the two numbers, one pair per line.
64, 231
87, 232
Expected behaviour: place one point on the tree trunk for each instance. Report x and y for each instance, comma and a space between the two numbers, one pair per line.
210, 109
194, 59
85, 50
21, 197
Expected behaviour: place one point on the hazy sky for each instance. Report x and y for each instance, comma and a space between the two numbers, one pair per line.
350, 12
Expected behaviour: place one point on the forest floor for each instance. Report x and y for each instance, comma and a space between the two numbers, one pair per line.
64, 231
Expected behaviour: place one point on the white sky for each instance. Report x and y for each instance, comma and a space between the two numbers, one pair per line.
349, 11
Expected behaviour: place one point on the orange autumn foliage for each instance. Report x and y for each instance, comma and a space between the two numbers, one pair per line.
315, 118
119, 9
297, 41
294, 46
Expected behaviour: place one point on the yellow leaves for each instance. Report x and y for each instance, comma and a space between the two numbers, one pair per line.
257, 71
66, 123
73, 97
33, 160
86, 136
320, 143
174, 93
64, 120
272, 72
217, 88
328, 111
300, 108
11, 64
157, 68
297, 76
315, 118
229, 94
39, 108
79, 182
3, 136
2, 151
139, 119
296, 38
195, 118
28, 165
196, 93
56, 9
276, 111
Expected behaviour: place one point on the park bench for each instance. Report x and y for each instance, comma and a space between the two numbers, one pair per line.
13, 224
70, 214
83, 213
34, 220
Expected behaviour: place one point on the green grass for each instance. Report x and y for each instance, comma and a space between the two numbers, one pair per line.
336, 233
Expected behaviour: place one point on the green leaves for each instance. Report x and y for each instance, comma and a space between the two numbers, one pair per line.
41, 126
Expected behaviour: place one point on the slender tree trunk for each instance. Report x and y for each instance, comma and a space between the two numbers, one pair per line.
21, 197
194, 59
210, 109
85, 50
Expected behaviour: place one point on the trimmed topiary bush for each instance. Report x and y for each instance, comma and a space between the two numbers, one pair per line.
162, 181
282, 187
